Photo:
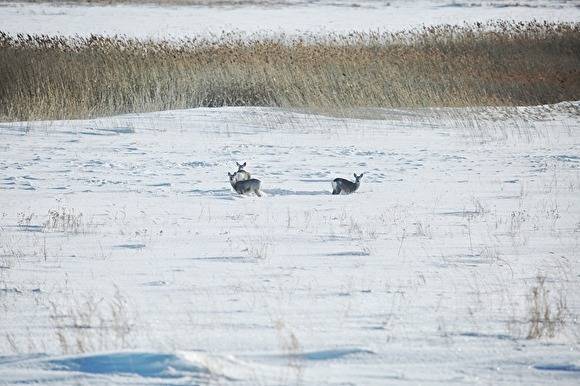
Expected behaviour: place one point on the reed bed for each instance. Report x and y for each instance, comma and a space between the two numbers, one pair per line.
500, 63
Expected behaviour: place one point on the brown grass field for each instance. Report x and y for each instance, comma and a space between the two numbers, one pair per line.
51, 77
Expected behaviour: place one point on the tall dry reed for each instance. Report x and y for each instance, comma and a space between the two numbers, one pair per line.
49, 77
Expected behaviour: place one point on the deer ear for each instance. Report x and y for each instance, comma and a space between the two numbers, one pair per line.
355, 175
229, 174
237, 163
361, 175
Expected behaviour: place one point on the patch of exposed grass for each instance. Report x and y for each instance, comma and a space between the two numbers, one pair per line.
44, 77
547, 312
92, 324
63, 220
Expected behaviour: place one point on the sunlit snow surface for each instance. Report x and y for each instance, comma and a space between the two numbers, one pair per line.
125, 256
149, 21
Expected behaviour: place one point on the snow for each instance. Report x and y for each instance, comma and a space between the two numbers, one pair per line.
328, 16
125, 256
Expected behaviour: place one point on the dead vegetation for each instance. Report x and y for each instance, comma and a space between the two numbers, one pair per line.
548, 311
63, 220
51, 77
92, 324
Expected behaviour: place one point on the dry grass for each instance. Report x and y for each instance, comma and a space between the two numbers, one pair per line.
547, 312
92, 324
63, 220
44, 77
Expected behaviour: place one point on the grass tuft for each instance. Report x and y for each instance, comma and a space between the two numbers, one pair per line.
548, 313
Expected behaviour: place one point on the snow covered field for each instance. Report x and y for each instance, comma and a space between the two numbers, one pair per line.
125, 257
326, 16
